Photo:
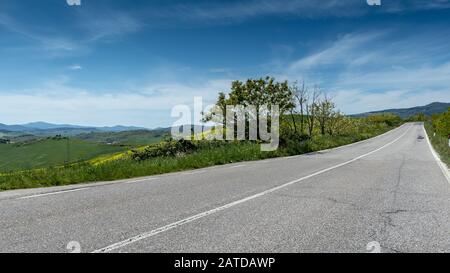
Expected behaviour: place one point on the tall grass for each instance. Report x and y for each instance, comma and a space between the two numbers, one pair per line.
440, 143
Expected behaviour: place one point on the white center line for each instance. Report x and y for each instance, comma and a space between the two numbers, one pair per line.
224, 207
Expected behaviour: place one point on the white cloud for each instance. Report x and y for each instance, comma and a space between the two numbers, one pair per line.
58, 102
338, 52
357, 101
75, 67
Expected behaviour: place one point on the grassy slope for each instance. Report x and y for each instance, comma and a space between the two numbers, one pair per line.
440, 144
127, 168
49, 152
135, 138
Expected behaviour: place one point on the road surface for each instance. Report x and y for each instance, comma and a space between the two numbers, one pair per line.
389, 189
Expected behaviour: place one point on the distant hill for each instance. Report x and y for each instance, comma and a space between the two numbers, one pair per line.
12, 128
430, 109
44, 128
47, 126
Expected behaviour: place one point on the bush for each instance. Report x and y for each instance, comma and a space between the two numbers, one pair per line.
165, 148
174, 148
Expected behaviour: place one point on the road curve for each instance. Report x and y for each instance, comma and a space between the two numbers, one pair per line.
388, 189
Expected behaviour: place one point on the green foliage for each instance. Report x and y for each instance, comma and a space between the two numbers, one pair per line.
439, 131
421, 117
388, 118
439, 142
258, 93
441, 123
133, 138
165, 148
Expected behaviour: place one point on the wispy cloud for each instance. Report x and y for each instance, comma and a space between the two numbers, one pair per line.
338, 51
76, 35
75, 67
223, 12
45, 41
374, 70
109, 25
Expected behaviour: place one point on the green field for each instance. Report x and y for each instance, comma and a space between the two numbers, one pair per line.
133, 138
50, 152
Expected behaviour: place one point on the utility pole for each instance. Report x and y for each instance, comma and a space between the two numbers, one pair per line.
68, 151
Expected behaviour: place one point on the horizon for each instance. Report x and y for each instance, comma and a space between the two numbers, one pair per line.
115, 62
168, 126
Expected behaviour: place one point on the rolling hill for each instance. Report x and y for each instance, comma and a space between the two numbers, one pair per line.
136, 137
44, 128
430, 109
50, 152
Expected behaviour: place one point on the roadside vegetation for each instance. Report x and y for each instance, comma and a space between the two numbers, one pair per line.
129, 138
309, 122
438, 129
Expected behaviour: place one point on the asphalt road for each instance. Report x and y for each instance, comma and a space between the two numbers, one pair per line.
389, 189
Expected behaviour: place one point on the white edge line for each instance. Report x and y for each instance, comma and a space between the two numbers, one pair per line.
209, 212
194, 172
51, 193
237, 166
441, 164
84, 188
141, 180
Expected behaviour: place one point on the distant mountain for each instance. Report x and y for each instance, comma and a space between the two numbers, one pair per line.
120, 128
430, 109
12, 128
45, 128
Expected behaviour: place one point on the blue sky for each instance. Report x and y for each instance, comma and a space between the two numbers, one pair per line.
110, 62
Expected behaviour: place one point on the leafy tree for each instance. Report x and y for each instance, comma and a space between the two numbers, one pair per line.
256, 93
325, 111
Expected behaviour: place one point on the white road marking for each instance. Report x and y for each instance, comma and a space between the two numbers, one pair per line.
237, 166
196, 172
140, 180
224, 207
441, 164
51, 193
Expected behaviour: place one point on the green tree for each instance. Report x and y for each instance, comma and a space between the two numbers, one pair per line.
256, 93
